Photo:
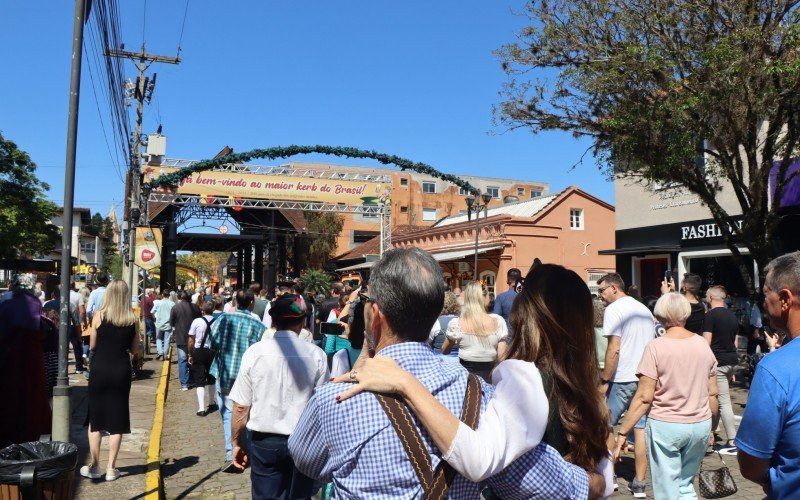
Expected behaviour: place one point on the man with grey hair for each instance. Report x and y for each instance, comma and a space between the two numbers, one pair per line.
720, 329
769, 435
362, 454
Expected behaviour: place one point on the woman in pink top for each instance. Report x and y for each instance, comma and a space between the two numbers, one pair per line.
678, 386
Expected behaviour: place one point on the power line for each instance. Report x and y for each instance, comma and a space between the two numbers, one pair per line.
183, 25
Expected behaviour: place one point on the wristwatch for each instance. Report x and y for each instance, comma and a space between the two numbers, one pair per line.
604, 381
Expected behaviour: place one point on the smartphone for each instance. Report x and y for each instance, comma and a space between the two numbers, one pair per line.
331, 328
668, 275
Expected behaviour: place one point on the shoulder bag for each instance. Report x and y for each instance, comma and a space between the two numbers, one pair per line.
435, 482
717, 483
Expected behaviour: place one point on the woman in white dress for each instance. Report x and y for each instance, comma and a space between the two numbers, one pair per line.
545, 388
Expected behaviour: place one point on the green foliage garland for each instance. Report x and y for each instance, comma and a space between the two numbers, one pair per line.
175, 178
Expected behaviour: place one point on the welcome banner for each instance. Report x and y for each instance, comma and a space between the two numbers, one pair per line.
234, 185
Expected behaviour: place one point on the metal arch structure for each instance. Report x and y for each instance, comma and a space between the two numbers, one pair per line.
195, 204
204, 212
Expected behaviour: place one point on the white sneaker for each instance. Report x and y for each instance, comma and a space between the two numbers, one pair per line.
91, 472
112, 474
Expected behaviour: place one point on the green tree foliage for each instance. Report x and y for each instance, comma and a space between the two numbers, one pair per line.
206, 263
323, 229
655, 83
25, 214
317, 281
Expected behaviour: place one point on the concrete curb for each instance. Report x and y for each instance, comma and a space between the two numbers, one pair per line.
153, 482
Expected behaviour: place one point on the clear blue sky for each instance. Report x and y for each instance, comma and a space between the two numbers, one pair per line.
417, 79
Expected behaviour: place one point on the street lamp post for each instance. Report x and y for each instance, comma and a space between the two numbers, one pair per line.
474, 205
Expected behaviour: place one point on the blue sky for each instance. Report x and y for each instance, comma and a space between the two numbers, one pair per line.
416, 79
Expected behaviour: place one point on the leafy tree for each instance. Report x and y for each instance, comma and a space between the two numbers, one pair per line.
111, 256
317, 281
657, 83
323, 229
206, 263
97, 223
25, 214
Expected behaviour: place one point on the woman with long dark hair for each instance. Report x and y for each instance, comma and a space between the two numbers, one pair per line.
545, 388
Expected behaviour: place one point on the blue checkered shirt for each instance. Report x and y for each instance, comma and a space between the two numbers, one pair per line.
231, 334
354, 445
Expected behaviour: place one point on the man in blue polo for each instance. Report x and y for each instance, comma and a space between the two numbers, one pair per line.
768, 439
354, 444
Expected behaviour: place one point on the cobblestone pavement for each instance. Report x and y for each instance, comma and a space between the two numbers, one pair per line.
193, 450
747, 489
132, 458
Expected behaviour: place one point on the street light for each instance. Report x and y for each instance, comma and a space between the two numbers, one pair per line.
474, 205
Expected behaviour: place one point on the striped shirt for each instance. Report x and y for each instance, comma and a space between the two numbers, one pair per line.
354, 445
231, 334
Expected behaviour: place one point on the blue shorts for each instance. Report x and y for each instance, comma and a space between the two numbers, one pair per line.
620, 395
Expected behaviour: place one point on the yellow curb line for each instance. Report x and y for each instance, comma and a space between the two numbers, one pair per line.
153, 476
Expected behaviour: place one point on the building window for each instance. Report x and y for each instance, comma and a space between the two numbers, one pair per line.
520, 191
364, 236
592, 283
576, 218
87, 247
463, 191
403, 210
404, 182
428, 214
535, 193
428, 187
494, 191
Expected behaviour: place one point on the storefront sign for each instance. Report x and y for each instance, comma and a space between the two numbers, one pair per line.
148, 247
237, 185
704, 231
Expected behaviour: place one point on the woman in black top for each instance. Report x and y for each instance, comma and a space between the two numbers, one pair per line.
114, 334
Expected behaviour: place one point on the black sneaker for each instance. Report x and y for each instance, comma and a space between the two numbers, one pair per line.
202, 413
637, 488
212, 408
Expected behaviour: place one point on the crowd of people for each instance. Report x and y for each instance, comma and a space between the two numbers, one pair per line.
534, 394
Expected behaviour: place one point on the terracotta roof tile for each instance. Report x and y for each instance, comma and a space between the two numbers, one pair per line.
373, 246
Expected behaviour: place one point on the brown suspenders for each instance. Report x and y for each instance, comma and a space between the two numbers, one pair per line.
435, 483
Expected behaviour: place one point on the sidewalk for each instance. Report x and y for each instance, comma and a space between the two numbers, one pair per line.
747, 489
193, 450
132, 458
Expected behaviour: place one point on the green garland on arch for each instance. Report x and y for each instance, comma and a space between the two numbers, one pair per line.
174, 179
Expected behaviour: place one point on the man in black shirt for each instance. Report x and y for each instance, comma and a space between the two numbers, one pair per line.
325, 307
180, 319
720, 330
690, 288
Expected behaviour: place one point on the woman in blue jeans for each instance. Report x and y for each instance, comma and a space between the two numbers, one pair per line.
678, 387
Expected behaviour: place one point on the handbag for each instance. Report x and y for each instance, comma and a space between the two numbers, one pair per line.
717, 483
204, 352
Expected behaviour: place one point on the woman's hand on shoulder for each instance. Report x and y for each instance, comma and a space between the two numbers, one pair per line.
378, 374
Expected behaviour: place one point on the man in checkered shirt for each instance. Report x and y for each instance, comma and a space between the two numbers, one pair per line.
353, 443
231, 334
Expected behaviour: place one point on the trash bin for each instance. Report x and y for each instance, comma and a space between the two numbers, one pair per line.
37, 470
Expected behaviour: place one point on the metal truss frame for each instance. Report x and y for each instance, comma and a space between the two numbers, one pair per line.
205, 212
194, 202
283, 170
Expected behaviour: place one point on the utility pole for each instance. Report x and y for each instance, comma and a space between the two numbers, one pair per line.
61, 403
143, 92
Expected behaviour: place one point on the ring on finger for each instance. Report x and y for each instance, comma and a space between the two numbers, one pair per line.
353, 375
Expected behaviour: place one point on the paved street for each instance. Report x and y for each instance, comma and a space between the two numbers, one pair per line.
747, 490
133, 453
193, 447
193, 450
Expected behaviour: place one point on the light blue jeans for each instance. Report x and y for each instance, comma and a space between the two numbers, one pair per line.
675, 452
162, 341
620, 395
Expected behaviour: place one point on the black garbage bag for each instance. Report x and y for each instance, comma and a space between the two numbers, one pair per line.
52, 460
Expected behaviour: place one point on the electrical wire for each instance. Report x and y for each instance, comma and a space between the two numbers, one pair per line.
183, 25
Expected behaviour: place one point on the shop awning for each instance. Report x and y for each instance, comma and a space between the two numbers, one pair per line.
358, 267
641, 250
460, 254
440, 257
